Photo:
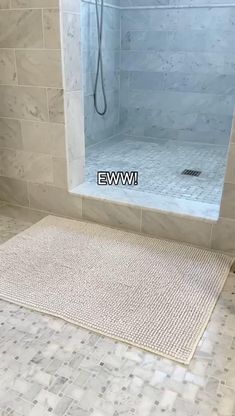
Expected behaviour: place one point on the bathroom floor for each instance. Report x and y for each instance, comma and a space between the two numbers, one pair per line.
160, 166
50, 367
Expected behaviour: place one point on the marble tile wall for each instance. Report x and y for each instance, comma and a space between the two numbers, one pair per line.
177, 72
32, 131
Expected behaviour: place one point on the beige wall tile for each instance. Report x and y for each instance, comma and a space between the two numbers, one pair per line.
223, 235
56, 104
7, 67
46, 138
10, 134
5, 4
228, 201
60, 172
14, 190
56, 200
116, 215
30, 4
230, 174
23, 102
173, 227
21, 29
42, 68
35, 167
51, 27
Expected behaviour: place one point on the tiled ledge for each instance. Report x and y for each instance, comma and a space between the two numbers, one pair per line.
159, 203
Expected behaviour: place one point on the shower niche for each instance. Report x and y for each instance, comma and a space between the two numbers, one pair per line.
158, 100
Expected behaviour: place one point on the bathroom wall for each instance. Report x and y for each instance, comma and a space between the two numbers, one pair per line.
177, 72
32, 139
99, 128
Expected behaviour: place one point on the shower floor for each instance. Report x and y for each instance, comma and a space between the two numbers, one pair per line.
160, 165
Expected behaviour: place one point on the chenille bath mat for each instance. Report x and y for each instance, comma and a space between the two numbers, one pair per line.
154, 294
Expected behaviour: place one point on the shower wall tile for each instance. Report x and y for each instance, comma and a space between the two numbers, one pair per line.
41, 68
55, 200
14, 190
170, 59
115, 215
23, 103
177, 228
7, 67
10, 134
51, 28
21, 29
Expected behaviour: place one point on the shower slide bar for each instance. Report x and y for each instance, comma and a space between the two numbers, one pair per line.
165, 7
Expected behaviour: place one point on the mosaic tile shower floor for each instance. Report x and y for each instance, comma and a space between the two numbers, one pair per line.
49, 367
160, 165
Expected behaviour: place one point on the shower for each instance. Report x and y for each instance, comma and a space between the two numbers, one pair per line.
99, 69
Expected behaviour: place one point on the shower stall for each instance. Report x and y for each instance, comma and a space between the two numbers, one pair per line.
168, 91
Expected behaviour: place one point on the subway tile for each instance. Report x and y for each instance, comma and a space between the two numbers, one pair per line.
30, 4
111, 214
21, 29
51, 28
10, 134
173, 227
14, 190
55, 200
56, 105
7, 67
223, 235
23, 102
228, 201
42, 68
18, 164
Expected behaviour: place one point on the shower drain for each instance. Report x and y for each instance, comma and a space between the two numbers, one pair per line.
191, 172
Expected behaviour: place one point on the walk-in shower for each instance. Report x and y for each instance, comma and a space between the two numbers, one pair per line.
168, 71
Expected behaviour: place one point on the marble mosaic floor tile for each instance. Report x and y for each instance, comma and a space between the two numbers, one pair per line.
51, 368
160, 165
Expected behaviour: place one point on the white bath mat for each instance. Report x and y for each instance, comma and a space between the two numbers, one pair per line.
154, 294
